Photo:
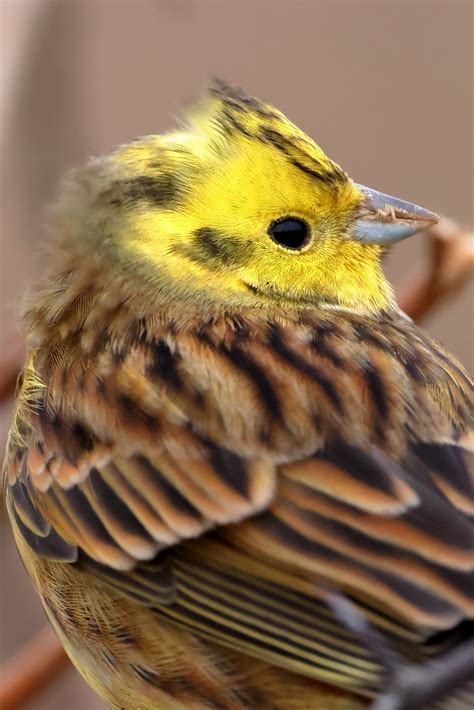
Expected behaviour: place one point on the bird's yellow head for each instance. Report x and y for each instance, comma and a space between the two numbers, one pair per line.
240, 208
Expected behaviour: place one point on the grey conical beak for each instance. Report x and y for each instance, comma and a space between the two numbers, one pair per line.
384, 219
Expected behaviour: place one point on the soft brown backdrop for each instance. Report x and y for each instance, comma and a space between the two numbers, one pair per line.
384, 86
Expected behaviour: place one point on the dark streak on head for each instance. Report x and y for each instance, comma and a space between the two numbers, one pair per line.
324, 177
210, 247
161, 190
238, 100
298, 156
231, 121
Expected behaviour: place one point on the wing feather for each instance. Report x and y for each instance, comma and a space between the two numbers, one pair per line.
327, 453
123, 509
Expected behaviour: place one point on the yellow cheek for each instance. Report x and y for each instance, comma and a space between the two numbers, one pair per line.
153, 234
153, 245
332, 270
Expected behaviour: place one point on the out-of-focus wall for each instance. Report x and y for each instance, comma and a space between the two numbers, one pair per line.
384, 86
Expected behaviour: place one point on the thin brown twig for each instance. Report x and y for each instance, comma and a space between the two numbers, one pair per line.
11, 362
31, 670
450, 267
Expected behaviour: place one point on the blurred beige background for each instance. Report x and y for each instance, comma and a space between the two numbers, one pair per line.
384, 86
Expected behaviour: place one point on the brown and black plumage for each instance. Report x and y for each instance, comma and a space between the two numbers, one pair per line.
208, 441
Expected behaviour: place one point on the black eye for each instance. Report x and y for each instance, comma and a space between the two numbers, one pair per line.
290, 232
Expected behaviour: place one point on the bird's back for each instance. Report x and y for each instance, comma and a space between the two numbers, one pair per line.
303, 454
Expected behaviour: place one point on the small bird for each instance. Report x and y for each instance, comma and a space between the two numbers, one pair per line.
225, 422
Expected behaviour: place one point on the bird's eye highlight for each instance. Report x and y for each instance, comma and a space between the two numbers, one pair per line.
290, 232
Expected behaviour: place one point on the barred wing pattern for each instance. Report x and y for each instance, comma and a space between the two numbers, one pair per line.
277, 460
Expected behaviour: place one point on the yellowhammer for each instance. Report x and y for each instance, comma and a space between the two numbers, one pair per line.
224, 418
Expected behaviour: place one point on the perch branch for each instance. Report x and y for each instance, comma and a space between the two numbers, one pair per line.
30, 670
450, 267
11, 361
